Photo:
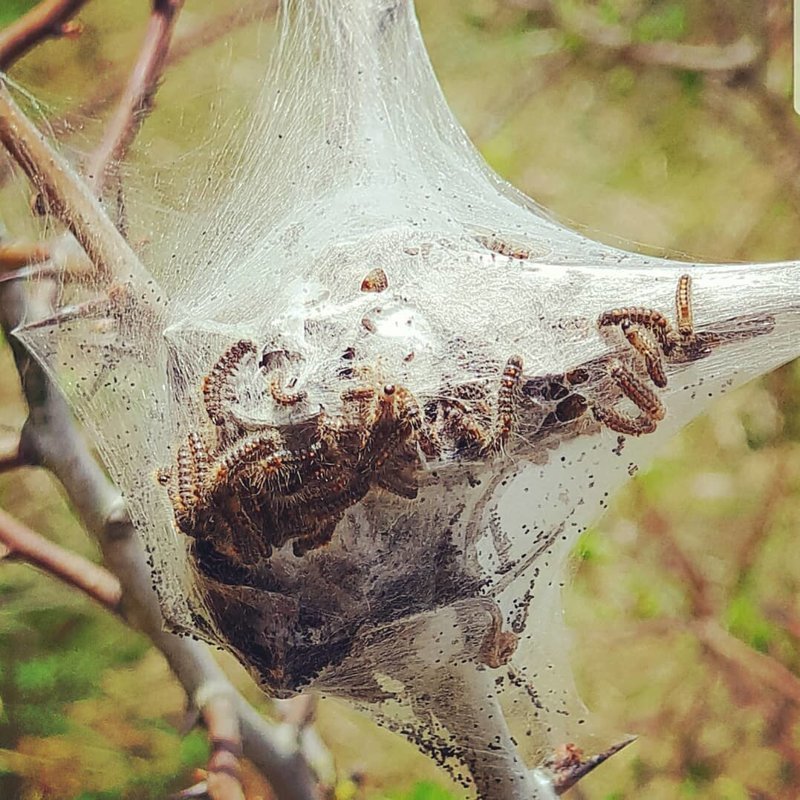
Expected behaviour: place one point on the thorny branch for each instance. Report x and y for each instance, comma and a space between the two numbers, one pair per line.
50, 438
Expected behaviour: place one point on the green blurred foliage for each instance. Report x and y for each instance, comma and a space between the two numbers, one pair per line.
11, 9
685, 601
423, 791
665, 22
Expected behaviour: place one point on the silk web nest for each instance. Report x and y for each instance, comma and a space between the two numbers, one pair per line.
369, 394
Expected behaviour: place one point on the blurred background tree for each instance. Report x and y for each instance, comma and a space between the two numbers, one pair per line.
663, 124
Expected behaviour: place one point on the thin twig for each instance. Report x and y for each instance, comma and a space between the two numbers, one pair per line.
26, 545
786, 618
137, 99
567, 765
183, 46
14, 255
59, 258
580, 20
696, 584
43, 21
548, 71
744, 108
70, 200
736, 56
750, 549
763, 669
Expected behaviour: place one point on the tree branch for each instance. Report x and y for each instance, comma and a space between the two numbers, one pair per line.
50, 439
26, 545
45, 20
137, 98
224, 771
749, 550
58, 258
766, 671
581, 21
736, 56
695, 583
183, 46
14, 255
68, 198
193, 39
